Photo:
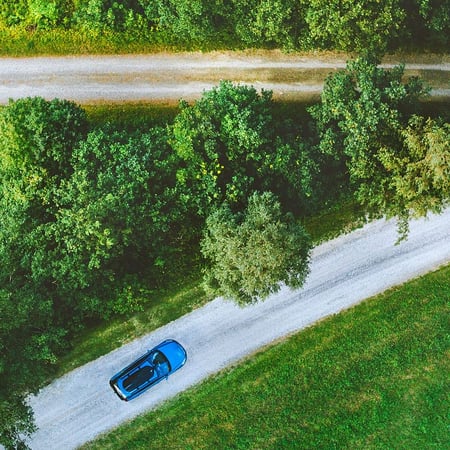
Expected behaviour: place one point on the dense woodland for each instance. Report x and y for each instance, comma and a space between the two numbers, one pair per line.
360, 26
92, 216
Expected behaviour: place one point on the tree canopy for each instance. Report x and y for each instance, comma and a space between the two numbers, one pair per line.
251, 253
366, 119
37, 139
87, 218
231, 145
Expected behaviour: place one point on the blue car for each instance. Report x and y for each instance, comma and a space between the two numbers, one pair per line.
148, 370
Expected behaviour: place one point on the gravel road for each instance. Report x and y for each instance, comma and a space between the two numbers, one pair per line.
169, 77
79, 406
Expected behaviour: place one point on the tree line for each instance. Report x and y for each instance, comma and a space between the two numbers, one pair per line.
358, 26
93, 215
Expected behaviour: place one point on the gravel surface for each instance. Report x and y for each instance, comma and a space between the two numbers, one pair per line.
169, 77
79, 406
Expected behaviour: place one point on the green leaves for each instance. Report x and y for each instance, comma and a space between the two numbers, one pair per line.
17, 422
221, 138
37, 136
249, 255
268, 22
231, 145
364, 26
193, 20
421, 178
396, 164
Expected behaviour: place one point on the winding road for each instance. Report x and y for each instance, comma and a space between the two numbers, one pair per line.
169, 77
81, 405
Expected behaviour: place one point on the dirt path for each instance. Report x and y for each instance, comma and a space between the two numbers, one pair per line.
169, 77
81, 405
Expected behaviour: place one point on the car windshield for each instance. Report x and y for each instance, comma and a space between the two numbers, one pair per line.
161, 363
136, 379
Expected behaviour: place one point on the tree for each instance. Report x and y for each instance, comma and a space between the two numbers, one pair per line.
221, 138
364, 26
37, 134
420, 172
111, 15
230, 146
268, 22
17, 420
118, 215
363, 120
193, 20
250, 254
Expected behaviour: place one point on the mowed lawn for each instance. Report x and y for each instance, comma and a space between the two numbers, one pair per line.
373, 377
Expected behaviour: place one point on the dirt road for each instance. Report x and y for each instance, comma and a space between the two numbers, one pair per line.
344, 271
169, 77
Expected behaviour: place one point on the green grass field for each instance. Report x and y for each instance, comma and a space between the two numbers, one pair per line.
372, 377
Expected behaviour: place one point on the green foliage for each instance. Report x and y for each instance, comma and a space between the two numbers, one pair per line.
251, 254
364, 26
39, 135
37, 14
116, 216
193, 20
231, 146
17, 420
50, 14
268, 22
36, 144
13, 12
360, 120
420, 174
124, 15
221, 137
435, 14
85, 219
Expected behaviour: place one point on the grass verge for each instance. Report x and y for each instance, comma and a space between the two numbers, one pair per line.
159, 310
17, 41
374, 376
20, 41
